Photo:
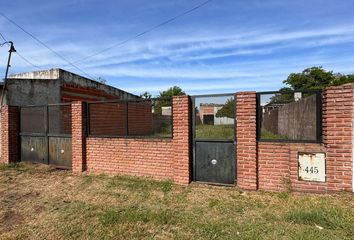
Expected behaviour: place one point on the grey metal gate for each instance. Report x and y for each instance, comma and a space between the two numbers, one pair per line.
213, 121
46, 134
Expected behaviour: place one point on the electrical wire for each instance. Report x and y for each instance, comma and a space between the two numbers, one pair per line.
45, 45
113, 46
26, 60
2, 36
145, 31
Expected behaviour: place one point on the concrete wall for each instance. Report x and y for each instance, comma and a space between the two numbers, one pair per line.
296, 120
69, 79
23, 92
57, 85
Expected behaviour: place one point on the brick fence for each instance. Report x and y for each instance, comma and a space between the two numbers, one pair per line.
260, 165
158, 158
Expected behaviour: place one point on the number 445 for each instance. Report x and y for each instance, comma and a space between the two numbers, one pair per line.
311, 170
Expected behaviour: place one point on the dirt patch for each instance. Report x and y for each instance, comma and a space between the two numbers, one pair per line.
10, 219
15, 196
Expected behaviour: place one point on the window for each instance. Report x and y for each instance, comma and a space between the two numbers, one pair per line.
214, 117
289, 116
135, 118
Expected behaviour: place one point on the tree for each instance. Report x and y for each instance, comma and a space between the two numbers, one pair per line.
172, 91
228, 110
284, 96
165, 98
316, 78
342, 79
146, 95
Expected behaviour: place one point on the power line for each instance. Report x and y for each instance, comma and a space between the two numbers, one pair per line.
2, 36
113, 46
45, 45
145, 31
20, 55
26, 60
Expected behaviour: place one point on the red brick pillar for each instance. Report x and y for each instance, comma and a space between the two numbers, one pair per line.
246, 142
9, 134
337, 136
181, 139
78, 137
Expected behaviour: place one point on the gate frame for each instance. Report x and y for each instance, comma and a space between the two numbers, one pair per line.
193, 138
46, 133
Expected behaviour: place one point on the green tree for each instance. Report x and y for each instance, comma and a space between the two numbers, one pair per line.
316, 78
284, 96
228, 110
165, 98
172, 91
342, 79
146, 95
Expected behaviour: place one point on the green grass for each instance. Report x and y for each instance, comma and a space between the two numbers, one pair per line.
204, 131
38, 202
265, 134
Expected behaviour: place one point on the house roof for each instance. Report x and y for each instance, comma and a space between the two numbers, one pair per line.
66, 76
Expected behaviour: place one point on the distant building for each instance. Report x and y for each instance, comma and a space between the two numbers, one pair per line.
207, 115
57, 86
166, 111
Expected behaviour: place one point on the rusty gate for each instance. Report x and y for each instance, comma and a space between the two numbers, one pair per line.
45, 133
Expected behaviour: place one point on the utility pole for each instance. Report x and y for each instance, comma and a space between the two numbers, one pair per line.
12, 49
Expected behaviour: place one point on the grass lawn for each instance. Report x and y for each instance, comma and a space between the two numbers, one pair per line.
204, 131
37, 202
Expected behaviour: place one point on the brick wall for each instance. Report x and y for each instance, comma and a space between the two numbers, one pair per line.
73, 92
140, 157
278, 166
246, 153
140, 118
158, 158
182, 139
9, 134
337, 131
259, 165
110, 118
278, 163
78, 137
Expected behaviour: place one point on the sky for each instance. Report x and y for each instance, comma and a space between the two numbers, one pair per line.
224, 47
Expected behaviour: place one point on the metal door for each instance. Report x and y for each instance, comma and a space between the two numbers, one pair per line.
213, 121
46, 134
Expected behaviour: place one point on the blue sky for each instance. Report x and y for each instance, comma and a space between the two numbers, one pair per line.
226, 46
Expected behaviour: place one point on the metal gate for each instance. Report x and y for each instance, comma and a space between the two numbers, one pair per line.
213, 121
45, 133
